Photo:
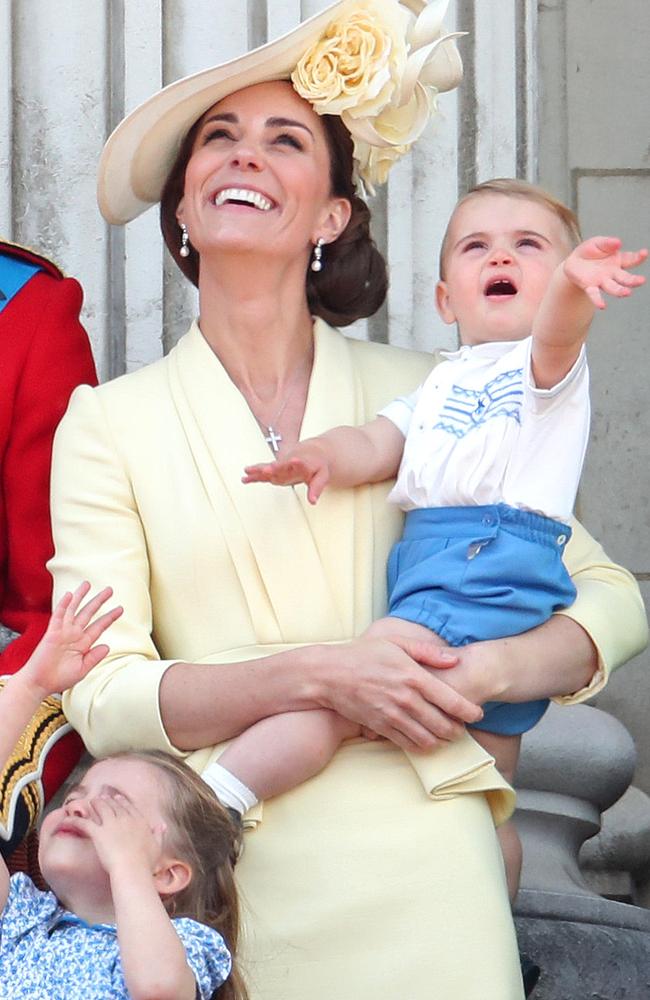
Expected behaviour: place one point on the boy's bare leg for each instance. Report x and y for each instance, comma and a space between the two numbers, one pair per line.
505, 750
280, 752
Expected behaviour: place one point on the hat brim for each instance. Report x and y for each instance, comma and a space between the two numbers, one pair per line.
138, 156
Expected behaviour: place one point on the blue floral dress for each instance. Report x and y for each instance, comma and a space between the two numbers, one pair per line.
48, 953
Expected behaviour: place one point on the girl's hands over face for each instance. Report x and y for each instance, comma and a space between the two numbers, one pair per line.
395, 688
121, 835
66, 653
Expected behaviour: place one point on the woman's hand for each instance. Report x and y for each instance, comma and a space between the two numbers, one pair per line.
478, 669
556, 658
395, 688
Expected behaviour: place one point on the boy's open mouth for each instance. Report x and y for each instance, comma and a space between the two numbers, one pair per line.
500, 286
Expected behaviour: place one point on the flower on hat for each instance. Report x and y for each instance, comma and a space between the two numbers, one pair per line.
357, 63
373, 163
380, 67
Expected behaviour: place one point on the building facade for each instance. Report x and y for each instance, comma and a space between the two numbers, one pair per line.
554, 91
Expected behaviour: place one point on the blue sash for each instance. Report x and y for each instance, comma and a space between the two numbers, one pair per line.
14, 275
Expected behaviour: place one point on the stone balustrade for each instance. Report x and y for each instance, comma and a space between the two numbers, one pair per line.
577, 764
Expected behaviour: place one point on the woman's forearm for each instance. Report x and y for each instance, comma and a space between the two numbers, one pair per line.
556, 658
380, 684
204, 704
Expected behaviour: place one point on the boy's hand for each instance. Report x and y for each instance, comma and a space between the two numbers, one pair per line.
599, 265
121, 835
66, 652
306, 463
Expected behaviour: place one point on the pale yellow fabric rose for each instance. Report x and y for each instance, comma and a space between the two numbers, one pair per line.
380, 68
373, 163
396, 126
357, 64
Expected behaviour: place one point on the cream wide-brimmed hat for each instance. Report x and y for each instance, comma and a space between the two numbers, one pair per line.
377, 63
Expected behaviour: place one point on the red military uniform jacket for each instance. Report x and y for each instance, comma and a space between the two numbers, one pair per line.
44, 354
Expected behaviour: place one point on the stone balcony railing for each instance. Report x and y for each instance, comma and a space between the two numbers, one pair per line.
574, 787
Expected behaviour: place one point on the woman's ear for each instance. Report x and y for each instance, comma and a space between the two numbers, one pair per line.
443, 305
179, 211
335, 219
172, 876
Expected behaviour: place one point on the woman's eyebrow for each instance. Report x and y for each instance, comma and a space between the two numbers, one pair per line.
225, 116
288, 123
275, 122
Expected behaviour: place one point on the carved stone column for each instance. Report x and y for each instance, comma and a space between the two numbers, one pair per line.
575, 764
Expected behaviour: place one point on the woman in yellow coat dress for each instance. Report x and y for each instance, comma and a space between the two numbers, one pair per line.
380, 877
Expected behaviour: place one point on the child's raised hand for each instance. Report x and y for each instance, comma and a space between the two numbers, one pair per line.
599, 265
120, 833
67, 652
306, 463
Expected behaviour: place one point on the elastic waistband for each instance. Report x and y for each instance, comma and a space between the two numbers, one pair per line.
482, 523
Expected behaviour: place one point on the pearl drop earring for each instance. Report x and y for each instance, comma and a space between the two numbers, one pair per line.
317, 263
185, 249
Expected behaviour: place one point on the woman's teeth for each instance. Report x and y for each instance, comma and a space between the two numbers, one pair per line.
243, 196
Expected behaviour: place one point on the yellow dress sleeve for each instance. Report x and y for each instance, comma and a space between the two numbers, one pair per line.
608, 606
99, 537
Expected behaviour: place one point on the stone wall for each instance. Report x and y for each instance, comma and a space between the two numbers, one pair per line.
66, 81
594, 152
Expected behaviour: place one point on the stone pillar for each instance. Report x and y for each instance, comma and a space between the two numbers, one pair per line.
576, 764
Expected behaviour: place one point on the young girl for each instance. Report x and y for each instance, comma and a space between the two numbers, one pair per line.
139, 859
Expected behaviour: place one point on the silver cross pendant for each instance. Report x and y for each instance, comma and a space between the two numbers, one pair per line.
273, 440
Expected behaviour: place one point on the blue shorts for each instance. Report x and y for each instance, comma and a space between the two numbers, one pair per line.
474, 573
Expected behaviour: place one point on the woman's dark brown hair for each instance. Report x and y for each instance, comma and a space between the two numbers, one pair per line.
353, 282
205, 837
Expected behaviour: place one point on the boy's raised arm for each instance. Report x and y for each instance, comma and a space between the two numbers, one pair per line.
343, 457
598, 265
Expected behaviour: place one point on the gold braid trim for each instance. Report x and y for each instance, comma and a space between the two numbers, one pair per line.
21, 775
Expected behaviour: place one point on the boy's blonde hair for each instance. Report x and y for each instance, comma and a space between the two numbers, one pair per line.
513, 188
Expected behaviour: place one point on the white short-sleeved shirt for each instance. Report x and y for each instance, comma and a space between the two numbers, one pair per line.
478, 431
47, 953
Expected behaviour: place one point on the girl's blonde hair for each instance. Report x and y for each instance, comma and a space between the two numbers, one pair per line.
206, 838
513, 188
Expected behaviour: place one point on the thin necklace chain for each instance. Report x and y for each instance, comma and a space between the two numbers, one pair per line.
282, 408
272, 437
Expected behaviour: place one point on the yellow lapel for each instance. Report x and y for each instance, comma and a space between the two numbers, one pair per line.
267, 527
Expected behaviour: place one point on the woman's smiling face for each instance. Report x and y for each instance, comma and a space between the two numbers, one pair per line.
258, 178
